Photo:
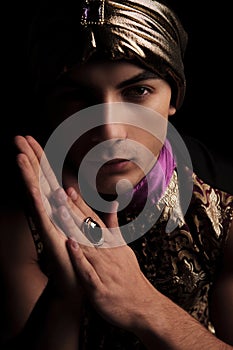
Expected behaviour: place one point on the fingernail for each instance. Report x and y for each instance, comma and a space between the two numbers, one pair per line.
73, 194
73, 244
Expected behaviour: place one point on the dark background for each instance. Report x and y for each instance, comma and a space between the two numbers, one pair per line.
205, 115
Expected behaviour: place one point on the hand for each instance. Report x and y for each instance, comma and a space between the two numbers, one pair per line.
52, 210
45, 194
112, 278
110, 275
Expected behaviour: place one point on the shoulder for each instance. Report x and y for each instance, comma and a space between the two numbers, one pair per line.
214, 168
213, 205
21, 281
229, 249
210, 214
222, 294
16, 242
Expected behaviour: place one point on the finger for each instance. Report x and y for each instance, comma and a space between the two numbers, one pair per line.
70, 227
31, 182
61, 199
70, 178
110, 227
115, 238
78, 202
52, 236
98, 235
83, 267
24, 147
110, 218
45, 166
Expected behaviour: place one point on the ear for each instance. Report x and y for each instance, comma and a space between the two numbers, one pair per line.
171, 110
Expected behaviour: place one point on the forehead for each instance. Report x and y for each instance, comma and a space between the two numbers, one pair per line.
90, 68
106, 72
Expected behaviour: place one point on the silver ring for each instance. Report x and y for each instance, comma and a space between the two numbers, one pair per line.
93, 231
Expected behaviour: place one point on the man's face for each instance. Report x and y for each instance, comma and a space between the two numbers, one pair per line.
109, 83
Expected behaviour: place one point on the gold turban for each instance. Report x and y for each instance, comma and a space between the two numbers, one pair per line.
145, 30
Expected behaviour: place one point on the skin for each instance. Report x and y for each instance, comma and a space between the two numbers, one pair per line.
108, 82
79, 270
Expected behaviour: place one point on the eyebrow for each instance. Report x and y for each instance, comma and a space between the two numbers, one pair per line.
146, 74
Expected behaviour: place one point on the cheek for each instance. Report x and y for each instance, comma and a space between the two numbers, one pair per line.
163, 108
152, 142
80, 148
154, 145
59, 109
161, 102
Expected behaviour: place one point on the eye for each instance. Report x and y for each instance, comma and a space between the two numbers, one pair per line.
137, 92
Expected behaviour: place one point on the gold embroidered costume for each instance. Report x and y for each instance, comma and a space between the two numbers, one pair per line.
182, 264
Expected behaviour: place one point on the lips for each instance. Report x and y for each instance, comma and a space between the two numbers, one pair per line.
116, 161
116, 165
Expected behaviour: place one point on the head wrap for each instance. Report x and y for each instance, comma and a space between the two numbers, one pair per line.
144, 30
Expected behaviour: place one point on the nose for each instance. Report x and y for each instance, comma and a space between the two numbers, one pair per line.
110, 122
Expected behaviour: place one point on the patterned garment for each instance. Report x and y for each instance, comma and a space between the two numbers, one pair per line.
181, 264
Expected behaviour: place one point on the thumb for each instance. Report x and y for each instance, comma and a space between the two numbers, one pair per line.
110, 219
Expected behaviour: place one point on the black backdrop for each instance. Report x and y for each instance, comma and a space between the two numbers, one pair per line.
206, 113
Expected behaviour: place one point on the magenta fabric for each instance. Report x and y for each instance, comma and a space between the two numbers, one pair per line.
152, 186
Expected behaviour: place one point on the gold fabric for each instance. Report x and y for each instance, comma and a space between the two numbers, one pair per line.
181, 264
143, 30
134, 29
